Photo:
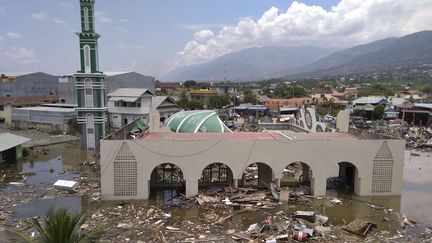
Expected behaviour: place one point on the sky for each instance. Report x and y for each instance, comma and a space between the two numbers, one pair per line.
154, 36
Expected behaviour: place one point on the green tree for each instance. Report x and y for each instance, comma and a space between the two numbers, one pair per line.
427, 89
378, 111
189, 84
59, 227
183, 100
250, 97
218, 101
195, 105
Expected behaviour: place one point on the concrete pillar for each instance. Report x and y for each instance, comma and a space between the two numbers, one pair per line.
319, 186
236, 182
284, 195
191, 187
277, 181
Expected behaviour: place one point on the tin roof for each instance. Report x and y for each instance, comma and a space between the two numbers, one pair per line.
128, 92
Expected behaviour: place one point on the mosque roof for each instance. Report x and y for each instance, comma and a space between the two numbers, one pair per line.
196, 121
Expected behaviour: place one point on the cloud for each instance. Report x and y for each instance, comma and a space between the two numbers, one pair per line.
58, 21
103, 17
39, 15
203, 35
13, 35
348, 23
19, 55
199, 27
123, 20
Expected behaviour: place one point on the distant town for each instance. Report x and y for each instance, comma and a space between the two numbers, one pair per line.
47, 102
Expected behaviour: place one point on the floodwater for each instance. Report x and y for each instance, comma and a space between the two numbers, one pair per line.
62, 161
417, 187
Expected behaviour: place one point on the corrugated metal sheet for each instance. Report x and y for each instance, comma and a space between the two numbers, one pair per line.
126, 92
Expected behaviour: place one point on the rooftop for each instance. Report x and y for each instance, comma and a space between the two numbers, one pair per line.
196, 121
209, 136
267, 135
369, 100
203, 91
129, 92
47, 108
8, 140
28, 100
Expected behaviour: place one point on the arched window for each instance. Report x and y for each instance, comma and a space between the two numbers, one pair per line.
86, 19
90, 131
87, 64
88, 92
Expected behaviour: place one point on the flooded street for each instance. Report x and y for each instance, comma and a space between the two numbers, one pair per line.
35, 195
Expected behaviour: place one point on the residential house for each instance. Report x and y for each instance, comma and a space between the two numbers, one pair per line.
202, 95
352, 91
411, 95
168, 86
166, 106
275, 104
221, 88
127, 104
321, 94
369, 103
416, 113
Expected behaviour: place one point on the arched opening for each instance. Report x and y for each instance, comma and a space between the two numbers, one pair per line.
86, 19
257, 175
344, 179
298, 176
87, 60
90, 131
88, 89
166, 183
216, 175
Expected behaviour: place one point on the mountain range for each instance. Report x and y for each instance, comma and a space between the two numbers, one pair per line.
260, 63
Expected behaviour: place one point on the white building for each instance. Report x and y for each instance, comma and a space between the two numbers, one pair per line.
130, 168
126, 105
166, 106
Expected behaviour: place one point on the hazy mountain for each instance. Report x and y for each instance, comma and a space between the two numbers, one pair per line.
385, 55
251, 64
389, 54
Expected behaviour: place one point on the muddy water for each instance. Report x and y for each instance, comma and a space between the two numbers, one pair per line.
417, 187
415, 201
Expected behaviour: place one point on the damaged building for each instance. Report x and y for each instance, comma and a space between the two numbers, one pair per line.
196, 150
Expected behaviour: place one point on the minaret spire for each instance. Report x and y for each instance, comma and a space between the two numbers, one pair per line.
90, 82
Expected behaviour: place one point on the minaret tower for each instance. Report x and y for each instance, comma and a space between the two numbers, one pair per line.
90, 83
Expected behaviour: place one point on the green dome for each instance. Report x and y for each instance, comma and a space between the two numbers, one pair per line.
196, 121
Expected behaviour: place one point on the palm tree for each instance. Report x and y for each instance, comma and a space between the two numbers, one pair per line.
59, 227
